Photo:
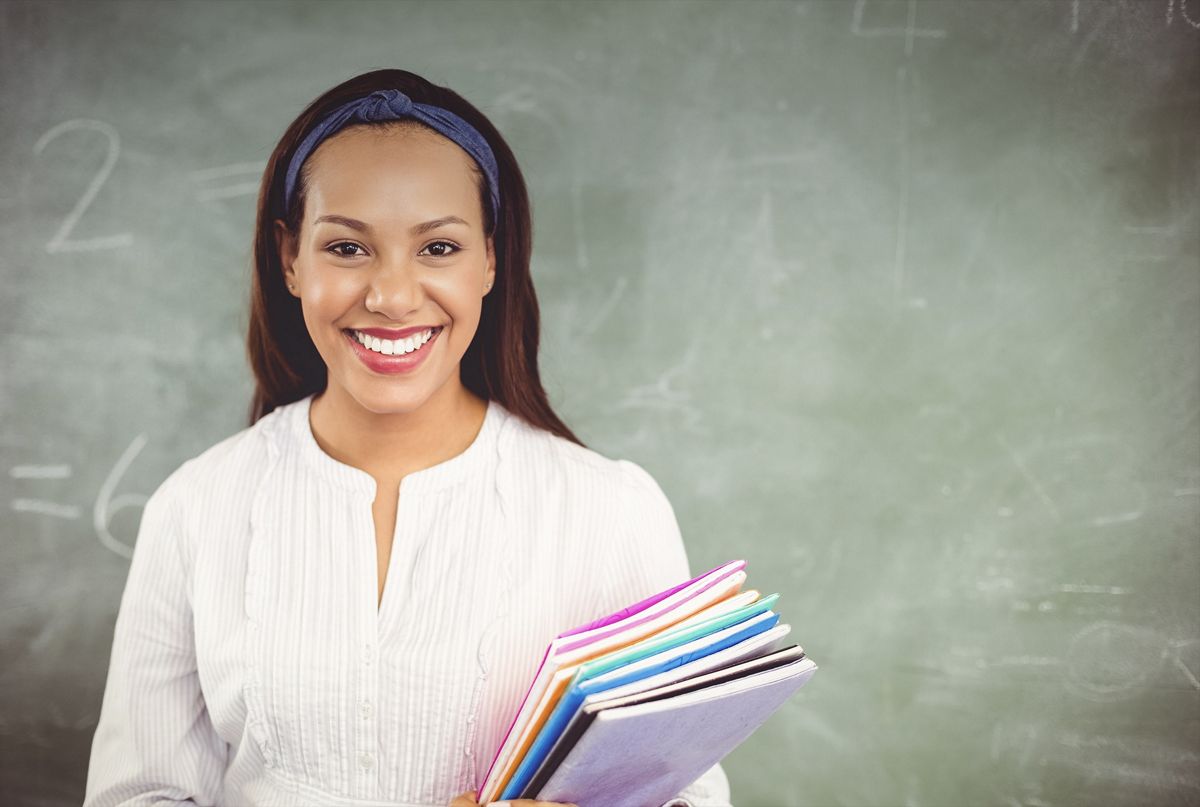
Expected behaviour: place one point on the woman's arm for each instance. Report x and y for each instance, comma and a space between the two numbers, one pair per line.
155, 743
710, 790
657, 562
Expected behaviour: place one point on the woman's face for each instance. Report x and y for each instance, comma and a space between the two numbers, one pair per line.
380, 247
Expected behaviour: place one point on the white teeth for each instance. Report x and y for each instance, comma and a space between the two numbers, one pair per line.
394, 347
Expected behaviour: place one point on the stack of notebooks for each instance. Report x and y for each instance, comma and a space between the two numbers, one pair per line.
629, 710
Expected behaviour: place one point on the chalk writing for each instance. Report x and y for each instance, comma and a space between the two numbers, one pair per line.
61, 242
108, 504
910, 31
212, 177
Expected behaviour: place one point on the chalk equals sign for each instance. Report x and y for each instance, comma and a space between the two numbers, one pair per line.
41, 506
1083, 588
228, 181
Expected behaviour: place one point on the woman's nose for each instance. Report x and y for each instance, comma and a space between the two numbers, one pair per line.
395, 288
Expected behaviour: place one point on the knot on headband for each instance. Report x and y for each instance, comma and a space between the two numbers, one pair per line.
386, 102
386, 105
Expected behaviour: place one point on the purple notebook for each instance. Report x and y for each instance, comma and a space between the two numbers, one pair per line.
646, 753
599, 630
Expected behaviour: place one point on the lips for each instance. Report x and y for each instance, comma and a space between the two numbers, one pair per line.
386, 333
392, 365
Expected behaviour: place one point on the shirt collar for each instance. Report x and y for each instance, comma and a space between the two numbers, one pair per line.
445, 473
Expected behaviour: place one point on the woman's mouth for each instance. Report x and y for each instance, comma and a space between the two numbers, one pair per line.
390, 357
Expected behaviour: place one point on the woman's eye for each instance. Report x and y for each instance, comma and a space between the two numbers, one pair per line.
437, 249
441, 249
336, 249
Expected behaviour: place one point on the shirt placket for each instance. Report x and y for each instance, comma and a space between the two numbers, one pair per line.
375, 627
366, 746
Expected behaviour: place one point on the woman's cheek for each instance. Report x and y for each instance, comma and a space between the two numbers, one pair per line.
333, 288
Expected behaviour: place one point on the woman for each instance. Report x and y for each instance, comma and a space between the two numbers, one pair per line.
343, 603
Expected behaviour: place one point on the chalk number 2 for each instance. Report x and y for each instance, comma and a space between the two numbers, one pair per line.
62, 242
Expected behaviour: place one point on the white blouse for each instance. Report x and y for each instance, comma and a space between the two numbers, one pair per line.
251, 664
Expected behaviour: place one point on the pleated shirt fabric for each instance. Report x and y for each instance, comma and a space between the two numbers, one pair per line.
251, 664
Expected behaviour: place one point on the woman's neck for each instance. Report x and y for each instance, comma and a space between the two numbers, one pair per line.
391, 446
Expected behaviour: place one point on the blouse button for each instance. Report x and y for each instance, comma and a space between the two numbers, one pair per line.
366, 709
367, 654
366, 760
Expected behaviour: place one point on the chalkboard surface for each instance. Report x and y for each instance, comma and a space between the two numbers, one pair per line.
899, 301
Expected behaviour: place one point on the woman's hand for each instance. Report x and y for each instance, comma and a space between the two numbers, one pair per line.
468, 800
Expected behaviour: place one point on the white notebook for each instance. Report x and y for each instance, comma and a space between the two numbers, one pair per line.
646, 753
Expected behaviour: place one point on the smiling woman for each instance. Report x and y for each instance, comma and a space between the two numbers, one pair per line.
343, 603
396, 251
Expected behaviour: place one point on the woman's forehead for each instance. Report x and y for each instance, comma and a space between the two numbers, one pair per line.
385, 170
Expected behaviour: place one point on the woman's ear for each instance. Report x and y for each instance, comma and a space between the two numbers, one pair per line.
285, 243
489, 274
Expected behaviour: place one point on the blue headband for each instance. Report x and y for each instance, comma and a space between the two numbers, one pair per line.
385, 105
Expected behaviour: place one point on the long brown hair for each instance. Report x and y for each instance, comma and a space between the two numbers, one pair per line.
501, 362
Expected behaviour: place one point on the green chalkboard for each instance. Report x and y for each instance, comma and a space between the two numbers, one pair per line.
899, 301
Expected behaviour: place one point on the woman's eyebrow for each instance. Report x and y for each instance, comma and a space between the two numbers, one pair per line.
433, 225
362, 226
353, 224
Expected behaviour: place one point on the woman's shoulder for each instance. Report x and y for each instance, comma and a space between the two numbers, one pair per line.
564, 462
233, 460
619, 519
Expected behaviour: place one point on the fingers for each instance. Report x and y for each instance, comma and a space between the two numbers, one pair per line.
468, 800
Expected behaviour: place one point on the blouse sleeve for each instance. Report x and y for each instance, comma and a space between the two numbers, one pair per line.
155, 743
656, 560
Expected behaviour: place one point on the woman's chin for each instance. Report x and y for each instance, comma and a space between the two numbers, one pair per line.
383, 395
